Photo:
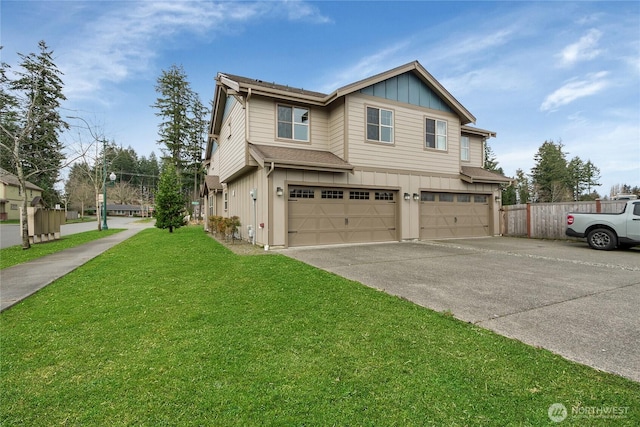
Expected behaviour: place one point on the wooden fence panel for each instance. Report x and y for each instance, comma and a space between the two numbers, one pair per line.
514, 220
548, 220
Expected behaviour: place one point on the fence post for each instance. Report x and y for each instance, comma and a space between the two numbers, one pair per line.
598, 206
528, 220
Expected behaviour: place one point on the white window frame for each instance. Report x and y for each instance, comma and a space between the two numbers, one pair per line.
465, 148
380, 125
294, 124
439, 134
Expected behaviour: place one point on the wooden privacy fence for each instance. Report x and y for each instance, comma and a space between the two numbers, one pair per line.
548, 220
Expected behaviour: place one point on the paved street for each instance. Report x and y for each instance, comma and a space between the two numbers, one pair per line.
560, 295
10, 233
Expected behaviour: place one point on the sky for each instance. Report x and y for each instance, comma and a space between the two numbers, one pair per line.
562, 71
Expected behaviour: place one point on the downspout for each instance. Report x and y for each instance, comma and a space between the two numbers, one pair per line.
270, 169
246, 117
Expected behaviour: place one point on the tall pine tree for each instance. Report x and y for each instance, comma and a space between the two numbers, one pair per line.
41, 83
169, 206
183, 127
550, 176
30, 125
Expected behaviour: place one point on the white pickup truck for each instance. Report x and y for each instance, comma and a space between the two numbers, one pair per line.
607, 231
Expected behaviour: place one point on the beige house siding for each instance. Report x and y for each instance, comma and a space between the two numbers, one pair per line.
241, 204
263, 125
336, 126
372, 178
232, 148
407, 151
476, 152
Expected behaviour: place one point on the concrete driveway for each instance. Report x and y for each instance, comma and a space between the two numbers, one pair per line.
560, 295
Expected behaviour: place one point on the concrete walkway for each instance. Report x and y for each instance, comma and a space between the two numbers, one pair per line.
20, 281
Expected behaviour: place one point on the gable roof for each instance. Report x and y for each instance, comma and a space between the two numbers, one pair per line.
211, 182
237, 85
298, 158
417, 69
8, 178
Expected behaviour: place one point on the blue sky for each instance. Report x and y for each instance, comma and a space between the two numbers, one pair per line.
530, 71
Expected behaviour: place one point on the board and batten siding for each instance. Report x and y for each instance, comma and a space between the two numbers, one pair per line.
476, 152
407, 152
263, 125
231, 143
337, 130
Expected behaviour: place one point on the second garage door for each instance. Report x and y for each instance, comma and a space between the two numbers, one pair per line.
322, 216
447, 215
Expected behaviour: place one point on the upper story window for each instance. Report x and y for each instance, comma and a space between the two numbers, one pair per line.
436, 134
464, 148
379, 125
293, 123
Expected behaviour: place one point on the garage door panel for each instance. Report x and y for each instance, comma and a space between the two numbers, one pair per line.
356, 219
453, 215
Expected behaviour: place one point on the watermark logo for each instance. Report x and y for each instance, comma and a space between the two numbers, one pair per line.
557, 412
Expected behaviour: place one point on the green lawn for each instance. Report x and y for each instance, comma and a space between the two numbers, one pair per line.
16, 255
174, 329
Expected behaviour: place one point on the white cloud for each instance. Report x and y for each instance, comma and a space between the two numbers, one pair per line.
122, 43
584, 49
366, 67
575, 89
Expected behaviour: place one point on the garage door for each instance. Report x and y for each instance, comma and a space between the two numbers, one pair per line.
323, 216
447, 215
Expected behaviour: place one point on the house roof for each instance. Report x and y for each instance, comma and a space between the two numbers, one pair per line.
298, 158
236, 85
211, 182
8, 178
477, 131
473, 175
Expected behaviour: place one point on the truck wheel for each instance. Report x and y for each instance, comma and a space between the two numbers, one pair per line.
602, 239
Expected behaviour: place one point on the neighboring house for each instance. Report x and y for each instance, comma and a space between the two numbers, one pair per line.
11, 195
123, 210
387, 158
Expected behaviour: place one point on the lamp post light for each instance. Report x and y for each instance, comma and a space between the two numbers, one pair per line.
112, 177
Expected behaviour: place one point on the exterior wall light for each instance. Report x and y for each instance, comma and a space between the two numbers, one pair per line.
416, 196
279, 191
407, 196
498, 198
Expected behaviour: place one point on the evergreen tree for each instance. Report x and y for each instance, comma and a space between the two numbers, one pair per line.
174, 103
30, 124
550, 175
522, 187
592, 177
42, 85
169, 206
490, 162
576, 169
197, 135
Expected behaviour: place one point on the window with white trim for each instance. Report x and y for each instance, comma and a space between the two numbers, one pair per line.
379, 125
293, 123
436, 134
464, 148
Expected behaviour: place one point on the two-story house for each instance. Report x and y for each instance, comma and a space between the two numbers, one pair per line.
387, 158
11, 195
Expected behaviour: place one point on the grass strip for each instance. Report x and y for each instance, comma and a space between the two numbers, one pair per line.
14, 255
174, 329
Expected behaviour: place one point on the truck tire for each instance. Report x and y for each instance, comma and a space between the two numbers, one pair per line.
602, 239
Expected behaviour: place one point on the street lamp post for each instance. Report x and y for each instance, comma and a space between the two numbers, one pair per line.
112, 177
